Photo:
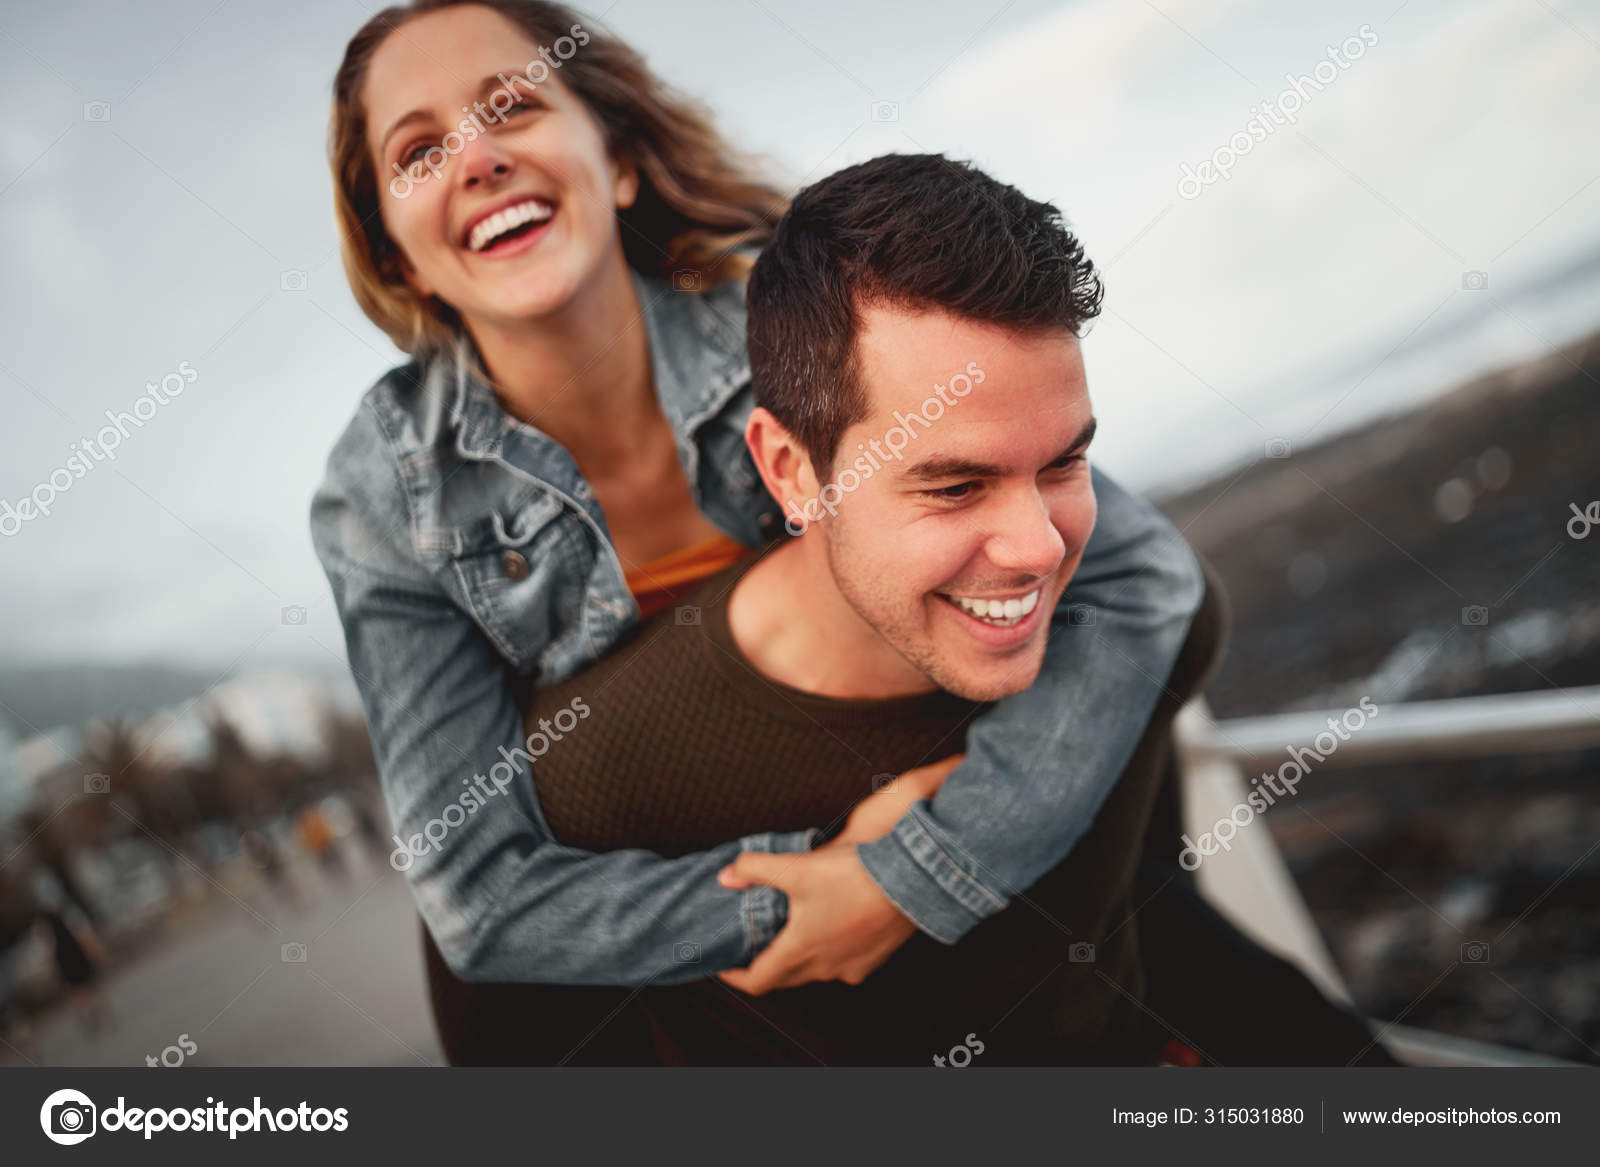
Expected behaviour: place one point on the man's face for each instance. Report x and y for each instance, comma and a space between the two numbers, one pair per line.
957, 550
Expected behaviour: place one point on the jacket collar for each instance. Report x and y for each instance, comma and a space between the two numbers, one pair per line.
697, 355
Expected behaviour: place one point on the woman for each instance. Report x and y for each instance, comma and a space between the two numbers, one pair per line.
557, 240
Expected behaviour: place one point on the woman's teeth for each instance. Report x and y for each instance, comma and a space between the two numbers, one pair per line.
497, 224
1001, 613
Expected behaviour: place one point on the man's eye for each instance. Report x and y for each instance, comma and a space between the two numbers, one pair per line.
1067, 461
952, 493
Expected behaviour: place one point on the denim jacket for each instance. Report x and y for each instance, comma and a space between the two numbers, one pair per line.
465, 552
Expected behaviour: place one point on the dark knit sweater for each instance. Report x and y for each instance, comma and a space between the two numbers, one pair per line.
687, 746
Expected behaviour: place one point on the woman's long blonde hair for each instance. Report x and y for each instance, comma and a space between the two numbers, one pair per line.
698, 200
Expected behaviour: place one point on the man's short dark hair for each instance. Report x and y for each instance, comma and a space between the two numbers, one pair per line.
911, 231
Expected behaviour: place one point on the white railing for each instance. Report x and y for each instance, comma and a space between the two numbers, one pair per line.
1509, 723
1250, 881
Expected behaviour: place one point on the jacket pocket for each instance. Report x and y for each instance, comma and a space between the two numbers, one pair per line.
518, 572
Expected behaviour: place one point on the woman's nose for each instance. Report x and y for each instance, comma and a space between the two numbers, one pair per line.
483, 164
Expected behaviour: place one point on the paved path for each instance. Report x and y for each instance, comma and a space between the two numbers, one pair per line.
220, 977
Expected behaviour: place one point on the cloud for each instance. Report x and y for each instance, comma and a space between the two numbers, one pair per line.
1430, 155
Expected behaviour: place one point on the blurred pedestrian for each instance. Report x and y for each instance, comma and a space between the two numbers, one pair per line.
367, 827
264, 856
16, 924
79, 954
317, 837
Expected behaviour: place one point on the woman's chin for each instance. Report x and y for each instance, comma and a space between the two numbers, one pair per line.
522, 290
519, 307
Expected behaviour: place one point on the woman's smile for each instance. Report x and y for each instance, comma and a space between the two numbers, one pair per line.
495, 230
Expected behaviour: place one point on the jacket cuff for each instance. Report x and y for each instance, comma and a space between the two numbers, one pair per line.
766, 909
916, 872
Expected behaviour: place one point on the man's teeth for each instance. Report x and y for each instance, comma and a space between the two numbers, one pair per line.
1001, 612
497, 224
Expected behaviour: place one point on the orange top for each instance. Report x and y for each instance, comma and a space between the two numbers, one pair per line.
656, 584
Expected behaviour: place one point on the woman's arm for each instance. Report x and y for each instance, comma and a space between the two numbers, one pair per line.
1040, 764
503, 900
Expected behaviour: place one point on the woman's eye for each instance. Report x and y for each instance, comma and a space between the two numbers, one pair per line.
524, 105
418, 152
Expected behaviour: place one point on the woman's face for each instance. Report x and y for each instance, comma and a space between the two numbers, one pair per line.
504, 204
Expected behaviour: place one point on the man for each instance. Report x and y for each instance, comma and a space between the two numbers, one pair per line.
924, 417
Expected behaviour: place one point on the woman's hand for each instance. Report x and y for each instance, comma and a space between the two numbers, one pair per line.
841, 927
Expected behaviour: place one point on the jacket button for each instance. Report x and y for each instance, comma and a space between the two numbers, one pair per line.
514, 565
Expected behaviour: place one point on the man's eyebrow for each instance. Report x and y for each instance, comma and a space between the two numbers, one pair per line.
1085, 436
940, 467
488, 85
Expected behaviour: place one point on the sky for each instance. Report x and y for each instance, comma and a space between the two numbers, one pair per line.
165, 211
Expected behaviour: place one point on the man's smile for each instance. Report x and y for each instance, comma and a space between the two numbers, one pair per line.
1000, 611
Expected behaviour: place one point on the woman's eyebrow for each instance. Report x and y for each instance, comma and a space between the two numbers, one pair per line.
485, 87
414, 116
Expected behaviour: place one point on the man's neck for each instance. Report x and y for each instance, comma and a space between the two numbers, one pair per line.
581, 375
792, 623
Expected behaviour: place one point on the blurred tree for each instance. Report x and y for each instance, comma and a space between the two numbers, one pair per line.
245, 782
347, 747
43, 836
145, 796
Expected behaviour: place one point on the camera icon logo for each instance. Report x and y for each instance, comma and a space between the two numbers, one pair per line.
1474, 281
1475, 616
97, 783
687, 615
67, 1117
97, 111
1081, 953
1475, 952
885, 111
1081, 615
292, 281
294, 952
1278, 449
686, 280
294, 614
686, 952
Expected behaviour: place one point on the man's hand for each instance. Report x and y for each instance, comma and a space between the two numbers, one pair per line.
876, 815
841, 926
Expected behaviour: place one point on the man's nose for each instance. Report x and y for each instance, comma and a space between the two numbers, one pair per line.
1022, 537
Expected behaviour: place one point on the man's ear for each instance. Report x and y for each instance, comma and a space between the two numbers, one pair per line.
782, 461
